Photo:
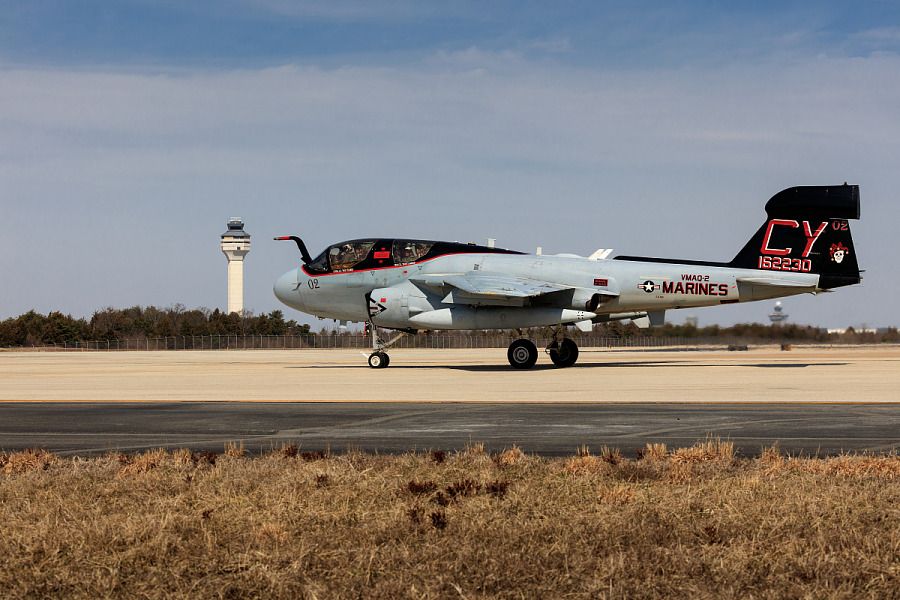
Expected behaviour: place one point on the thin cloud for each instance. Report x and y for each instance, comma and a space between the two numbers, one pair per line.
555, 45
134, 174
880, 34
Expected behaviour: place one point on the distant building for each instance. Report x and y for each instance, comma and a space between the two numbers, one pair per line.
235, 245
778, 314
843, 330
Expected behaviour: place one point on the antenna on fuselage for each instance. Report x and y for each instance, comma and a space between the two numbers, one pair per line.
601, 254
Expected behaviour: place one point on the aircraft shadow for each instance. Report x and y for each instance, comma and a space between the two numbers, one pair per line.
604, 365
496, 367
653, 364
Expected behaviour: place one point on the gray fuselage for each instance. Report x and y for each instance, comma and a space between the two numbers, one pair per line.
415, 296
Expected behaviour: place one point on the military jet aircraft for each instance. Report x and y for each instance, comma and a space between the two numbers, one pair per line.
410, 285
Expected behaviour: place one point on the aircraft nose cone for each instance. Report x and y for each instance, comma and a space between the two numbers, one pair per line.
286, 289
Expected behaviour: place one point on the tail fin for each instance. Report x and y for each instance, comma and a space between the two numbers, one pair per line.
807, 231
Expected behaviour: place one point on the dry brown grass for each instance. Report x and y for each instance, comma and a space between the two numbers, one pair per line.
27, 460
713, 449
511, 457
147, 461
235, 450
655, 452
686, 523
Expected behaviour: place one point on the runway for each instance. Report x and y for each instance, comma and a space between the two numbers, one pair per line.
547, 429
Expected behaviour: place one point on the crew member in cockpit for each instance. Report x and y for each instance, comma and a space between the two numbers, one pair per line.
348, 255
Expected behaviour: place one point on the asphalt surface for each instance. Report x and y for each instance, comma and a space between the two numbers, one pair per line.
548, 429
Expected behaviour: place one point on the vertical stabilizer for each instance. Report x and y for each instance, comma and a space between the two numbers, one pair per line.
807, 231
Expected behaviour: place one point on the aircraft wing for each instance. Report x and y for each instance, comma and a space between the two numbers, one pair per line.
493, 284
482, 287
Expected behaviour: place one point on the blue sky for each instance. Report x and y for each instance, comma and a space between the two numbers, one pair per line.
131, 131
236, 33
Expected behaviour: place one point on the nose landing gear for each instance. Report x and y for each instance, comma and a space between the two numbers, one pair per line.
379, 359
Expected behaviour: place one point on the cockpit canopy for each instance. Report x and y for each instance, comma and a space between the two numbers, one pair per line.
409, 251
342, 257
356, 255
363, 254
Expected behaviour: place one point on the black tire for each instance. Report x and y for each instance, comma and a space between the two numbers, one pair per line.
564, 354
522, 354
379, 360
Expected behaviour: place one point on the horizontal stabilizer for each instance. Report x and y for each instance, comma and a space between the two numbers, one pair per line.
776, 282
763, 288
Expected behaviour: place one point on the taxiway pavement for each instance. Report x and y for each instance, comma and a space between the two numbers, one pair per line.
810, 400
806, 374
549, 429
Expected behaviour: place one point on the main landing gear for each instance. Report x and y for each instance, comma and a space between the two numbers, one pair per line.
523, 354
563, 353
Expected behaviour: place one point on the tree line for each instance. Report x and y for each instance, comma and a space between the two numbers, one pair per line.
781, 332
137, 322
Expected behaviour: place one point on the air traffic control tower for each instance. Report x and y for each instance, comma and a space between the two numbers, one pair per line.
235, 246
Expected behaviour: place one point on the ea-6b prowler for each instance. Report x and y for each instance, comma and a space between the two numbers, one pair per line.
413, 285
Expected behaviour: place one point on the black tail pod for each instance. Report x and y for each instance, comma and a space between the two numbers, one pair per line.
807, 231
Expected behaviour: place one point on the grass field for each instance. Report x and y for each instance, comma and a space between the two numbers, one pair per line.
695, 522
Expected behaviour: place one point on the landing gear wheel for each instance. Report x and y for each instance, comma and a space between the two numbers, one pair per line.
379, 360
563, 354
522, 354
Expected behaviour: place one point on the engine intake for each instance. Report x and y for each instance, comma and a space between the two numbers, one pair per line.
586, 299
393, 306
